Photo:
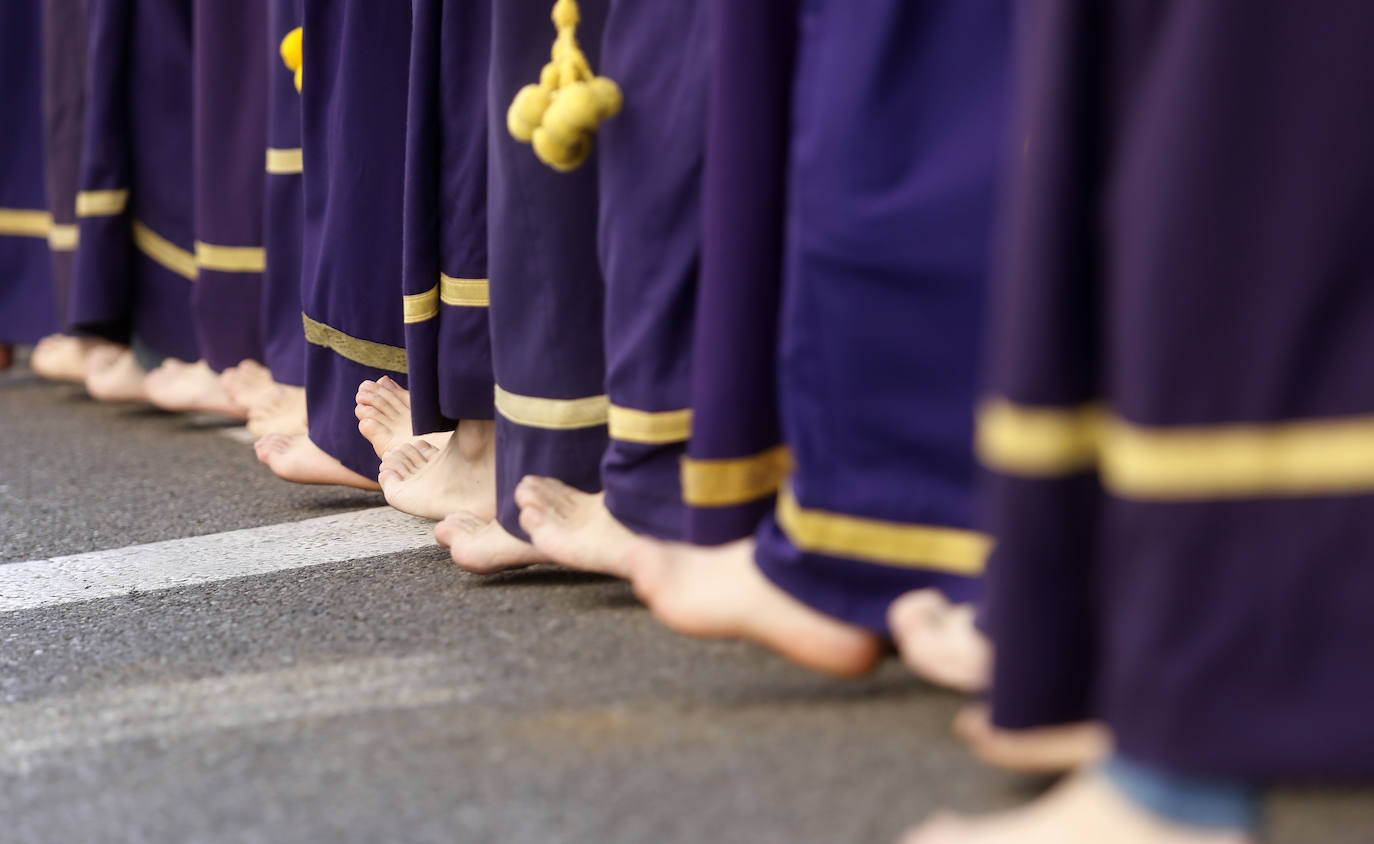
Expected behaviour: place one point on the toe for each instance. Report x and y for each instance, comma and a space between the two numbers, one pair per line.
527, 491
917, 610
532, 517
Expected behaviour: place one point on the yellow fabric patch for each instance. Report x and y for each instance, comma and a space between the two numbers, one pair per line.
729, 482
365, 352
464, 292
552, 414
285, 162
418, 307
945, 549
1037, 441
101, 203
650, 428
64, 237
1307, 458
1297, 458
163, 251
231, 259
20, 222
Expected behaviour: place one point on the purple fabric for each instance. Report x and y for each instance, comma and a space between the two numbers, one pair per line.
898, 120
28, 307
1043, 351
230, 70
283, 341
546, 290
137, 138
353, 117
64, 105
449, 355
1202, 173
650, 234
734, 346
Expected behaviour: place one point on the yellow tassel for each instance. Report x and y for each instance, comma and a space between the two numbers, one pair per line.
526, 112
291, 54
560, 115
291, 49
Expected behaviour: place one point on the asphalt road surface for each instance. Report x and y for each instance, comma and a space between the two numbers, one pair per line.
192, 650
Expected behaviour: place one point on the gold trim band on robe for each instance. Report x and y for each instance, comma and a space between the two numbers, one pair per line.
231, 259
1298, 458
285, 162
464, 292
22, 222
163, 251
64, 237
734, 481
101, 203
1038, 441
365, 352
900, 544
649, 427
418, 307
552, 414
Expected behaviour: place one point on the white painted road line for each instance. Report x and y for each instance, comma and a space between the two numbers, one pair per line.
205, 559
93, 719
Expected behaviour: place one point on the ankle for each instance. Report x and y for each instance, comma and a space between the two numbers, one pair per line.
474, 438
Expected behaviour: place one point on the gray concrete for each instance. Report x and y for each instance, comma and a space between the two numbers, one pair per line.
396, 698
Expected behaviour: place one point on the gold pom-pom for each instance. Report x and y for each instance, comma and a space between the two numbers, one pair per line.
298, 79
575, 107
565, 14
526, 112
291, 49
548, 77
608, 96
562, 154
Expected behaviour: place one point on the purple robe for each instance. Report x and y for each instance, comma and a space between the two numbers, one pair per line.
283, 340
444, 274
28, 308
1179, 419
650, 234
64, 106
735, 460
230, 71
353, 139
135, 266
897, 126
546, 290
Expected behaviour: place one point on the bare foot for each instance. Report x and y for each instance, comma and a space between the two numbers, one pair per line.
573, 527
248, 383
483, 546
1085, 810
719, 593
280, 410
62, 357
112, 374
431, 482
300, 460
940, 642
1043, 750
194, 387
383, 413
